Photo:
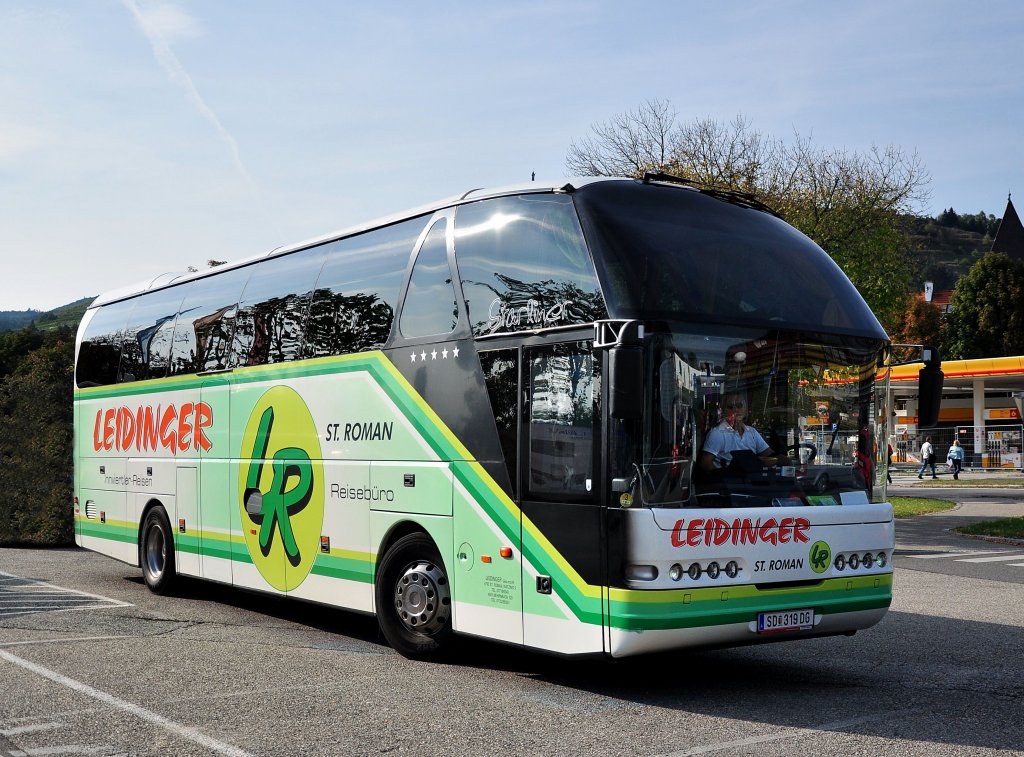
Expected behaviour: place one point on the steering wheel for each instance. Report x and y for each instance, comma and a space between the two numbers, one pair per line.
803, 445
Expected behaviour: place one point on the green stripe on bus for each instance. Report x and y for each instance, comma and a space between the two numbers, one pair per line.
108, 531
711, 609
343, 567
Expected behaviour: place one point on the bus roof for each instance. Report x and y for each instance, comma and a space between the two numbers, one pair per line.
472, 195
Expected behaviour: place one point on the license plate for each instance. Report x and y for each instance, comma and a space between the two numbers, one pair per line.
787, 620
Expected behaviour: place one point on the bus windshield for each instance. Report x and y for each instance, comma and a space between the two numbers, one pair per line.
666, 253
745, 418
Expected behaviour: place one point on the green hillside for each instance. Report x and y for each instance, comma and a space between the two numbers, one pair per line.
65, 316
942, 254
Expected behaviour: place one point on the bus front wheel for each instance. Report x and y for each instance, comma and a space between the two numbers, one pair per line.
414, 601
156, 552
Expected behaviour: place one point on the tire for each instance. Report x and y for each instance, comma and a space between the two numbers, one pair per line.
414, 606
156, 552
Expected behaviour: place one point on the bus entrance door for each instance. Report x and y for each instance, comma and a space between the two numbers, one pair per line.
215, 488
561, 516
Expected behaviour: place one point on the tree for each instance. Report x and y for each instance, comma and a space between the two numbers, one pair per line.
35, 447
988, 310
920, 323
850, 203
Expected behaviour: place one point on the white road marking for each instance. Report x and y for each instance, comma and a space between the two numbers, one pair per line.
21, 596
184, 731
791, 733
957, 554
1001, 558
65, 749
30, 728
60, 641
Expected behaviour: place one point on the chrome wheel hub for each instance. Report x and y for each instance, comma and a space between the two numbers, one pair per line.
156, 552
423, 597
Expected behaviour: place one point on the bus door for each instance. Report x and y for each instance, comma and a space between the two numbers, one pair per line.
216, 502
558, 499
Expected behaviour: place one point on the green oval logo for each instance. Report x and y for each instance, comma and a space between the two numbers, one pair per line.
820, 556
281, 488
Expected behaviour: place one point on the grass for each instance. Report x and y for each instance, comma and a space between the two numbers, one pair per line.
906, 507
971, 483
1006, 528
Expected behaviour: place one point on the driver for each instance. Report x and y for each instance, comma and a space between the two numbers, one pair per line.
733, 434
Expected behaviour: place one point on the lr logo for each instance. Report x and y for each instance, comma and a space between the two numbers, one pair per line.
281, 489
820, 556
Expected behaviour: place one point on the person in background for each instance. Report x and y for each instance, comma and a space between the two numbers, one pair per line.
955, 459
888, 468
927, 457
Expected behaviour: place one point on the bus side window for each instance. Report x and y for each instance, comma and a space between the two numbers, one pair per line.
147, 340
430, 306
100, 351
202, 334
356, 295
524, 264
272, 312
501, 374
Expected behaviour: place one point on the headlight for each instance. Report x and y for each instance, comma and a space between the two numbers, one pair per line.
713, 570
694, 571
675, 572
732, 569
882, 560
868, 560
854, 561
840, 562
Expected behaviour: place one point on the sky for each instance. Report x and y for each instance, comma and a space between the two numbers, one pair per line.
139, 137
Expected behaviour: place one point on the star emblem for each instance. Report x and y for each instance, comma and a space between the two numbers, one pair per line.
455, 351
444, 354
423, 355
413, 356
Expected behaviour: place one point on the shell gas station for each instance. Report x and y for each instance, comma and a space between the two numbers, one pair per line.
981, 406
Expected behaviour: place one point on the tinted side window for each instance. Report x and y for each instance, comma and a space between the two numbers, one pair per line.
100, 351
147, 340
524, 264
356, 295
202, 334
562, 386
430, 305
271, 315
501, 372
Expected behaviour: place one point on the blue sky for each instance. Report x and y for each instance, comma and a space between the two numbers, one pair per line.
140, 136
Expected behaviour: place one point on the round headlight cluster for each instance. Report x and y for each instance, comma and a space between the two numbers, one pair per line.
867, 560
713, 570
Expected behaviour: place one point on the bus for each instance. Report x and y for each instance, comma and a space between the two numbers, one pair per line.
487, 417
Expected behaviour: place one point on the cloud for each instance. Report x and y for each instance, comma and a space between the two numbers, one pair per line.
152, 25
166, 20
17, 139
155, 21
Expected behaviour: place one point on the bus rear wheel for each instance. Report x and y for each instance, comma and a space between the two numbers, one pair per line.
156, 552
414, 601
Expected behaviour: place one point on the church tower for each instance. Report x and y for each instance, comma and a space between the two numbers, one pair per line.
1010, 234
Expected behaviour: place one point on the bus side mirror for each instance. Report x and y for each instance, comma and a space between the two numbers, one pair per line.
929, 383
626, 383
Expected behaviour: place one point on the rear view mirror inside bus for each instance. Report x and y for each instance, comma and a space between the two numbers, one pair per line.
626, 392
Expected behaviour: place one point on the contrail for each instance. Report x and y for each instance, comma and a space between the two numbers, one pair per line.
179, 76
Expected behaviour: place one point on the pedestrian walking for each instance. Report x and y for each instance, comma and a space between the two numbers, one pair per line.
955, 459
888, 468
927, 457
